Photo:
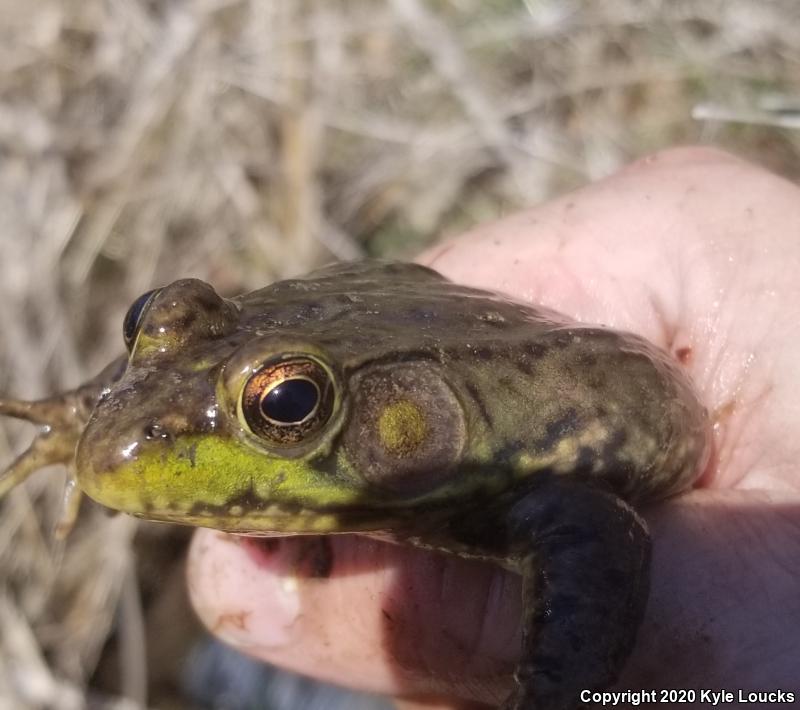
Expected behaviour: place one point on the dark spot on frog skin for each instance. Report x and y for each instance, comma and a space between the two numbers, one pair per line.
189, 452
421, 315
509, 450
597, 380
524, 366
483, 353
565, 426
188, 319
537, 350
278, 480
588, 359
309, 311
564, 340
247, 500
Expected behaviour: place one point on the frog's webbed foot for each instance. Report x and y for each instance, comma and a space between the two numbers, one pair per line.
55, 442
61, 420
585, 587
59, 430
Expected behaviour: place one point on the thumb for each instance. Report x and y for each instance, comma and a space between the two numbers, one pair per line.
362, 613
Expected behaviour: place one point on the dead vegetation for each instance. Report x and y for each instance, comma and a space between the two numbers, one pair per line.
245, 140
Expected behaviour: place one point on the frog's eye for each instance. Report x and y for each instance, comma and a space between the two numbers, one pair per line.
133, 318
288, 401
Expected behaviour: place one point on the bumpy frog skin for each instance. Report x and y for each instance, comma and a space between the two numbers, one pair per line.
381, 398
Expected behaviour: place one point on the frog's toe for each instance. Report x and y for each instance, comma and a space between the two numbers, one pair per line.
49, 447
60, 419
16, 472
34, 412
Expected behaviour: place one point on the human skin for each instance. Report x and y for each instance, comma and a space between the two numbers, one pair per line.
698, 252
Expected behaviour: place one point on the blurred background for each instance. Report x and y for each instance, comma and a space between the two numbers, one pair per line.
242, 141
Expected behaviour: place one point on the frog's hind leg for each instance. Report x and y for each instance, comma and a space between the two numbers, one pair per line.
585, 558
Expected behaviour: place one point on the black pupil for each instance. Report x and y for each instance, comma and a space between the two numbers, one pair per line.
134, 315
291, 401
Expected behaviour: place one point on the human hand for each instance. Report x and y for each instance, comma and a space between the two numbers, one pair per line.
698, 252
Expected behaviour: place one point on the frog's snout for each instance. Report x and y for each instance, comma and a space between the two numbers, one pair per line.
117, 456
107, 445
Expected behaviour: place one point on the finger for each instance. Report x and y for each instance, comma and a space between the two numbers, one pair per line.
396, 620
725, 595
375, 616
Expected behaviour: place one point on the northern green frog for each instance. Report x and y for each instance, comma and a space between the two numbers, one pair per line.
380, 398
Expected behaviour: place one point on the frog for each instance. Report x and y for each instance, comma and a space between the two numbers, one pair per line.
380, 398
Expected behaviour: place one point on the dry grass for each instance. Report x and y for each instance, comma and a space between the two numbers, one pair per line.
241, 141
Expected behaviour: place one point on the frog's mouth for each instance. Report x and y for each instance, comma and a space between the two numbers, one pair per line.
273, 522
215, 482
212, 482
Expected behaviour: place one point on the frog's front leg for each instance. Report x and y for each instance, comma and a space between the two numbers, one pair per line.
584, 555
61, 420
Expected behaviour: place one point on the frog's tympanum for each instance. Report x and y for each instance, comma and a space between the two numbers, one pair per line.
380, 398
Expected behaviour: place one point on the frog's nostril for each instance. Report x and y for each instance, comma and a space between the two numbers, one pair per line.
155, 431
